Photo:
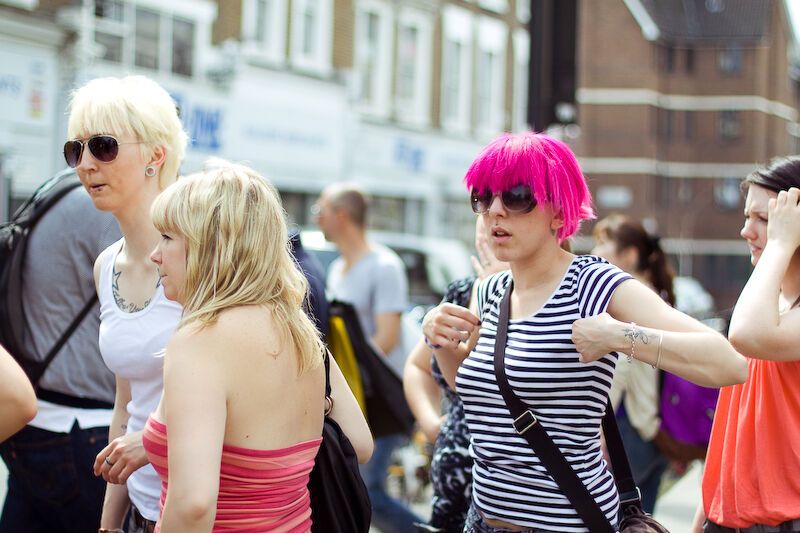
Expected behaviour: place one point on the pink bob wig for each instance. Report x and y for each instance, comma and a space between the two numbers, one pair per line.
546, 164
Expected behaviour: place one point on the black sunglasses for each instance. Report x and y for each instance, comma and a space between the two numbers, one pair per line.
518, 199
104, 148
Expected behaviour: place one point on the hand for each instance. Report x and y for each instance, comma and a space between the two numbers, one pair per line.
486, 264
593, 336
784, 218
122, 457
448, 325
431, 428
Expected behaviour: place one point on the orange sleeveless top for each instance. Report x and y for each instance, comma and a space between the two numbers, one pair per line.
259, 490
752, 473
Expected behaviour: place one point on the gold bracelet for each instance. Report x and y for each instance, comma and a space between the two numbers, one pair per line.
658, 357
115, 530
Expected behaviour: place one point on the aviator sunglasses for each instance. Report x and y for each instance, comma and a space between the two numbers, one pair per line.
517, 199
104, 148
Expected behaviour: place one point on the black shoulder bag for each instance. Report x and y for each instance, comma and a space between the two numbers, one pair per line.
339, 499
633, 519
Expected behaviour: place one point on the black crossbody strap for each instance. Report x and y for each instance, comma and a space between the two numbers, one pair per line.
526, 424
42, 367
629, 494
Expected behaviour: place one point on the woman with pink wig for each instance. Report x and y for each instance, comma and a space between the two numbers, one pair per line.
570, 318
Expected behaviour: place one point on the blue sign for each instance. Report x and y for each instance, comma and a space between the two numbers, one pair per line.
409, 155
202, 123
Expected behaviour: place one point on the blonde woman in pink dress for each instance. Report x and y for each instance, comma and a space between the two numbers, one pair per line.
238, 427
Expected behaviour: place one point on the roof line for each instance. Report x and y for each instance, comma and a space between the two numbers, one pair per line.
649, 28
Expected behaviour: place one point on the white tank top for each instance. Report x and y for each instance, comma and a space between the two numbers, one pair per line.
132, 345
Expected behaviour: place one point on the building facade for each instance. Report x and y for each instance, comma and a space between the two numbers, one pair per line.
675, 103
396, 96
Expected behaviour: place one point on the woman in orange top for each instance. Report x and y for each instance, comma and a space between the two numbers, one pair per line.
752, 477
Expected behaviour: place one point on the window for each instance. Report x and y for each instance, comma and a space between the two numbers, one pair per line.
264, 25
668, 59
147, 38
688, 125
665, 123
730, 127
312, 22
484, 94
690, 60
452, 74
368, 56
729, 60
144, 37
413, 67
407, 46
498, 6
182, 47
490, 78
523, 11
373, 52
521, 73
110, 29
457, 80
727, 193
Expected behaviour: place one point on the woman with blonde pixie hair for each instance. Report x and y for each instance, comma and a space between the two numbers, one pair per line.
126, 143
239, 424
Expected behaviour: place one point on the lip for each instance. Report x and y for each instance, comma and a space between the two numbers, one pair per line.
500, 238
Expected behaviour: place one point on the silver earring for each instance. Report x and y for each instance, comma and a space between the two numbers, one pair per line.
149, 171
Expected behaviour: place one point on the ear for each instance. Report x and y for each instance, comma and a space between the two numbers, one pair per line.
158, 156
557, 222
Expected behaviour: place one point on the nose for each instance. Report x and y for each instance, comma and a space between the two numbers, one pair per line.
155, 255
86, 160
747, 232
497, 207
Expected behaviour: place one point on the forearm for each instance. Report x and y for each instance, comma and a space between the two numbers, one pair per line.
115, 506
17, 399
450, 360
756, 314
703, 357
424, 398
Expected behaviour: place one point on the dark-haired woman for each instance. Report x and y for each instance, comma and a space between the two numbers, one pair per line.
752, 476
635, 393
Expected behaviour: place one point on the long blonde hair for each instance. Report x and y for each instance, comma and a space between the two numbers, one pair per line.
237, 251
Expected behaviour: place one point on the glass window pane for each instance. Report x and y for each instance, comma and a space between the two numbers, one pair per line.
484, 87
452, 75
262, 20
147, 33
310, 9
110, 46
406, 61
109, 10
182, 47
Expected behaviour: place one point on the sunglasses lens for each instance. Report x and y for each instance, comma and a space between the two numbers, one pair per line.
480, 201
72, 153
519, 199
104, 148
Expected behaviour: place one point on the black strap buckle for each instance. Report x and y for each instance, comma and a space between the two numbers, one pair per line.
524, 422
630, 496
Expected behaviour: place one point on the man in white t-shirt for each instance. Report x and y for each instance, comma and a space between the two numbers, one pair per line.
372, 278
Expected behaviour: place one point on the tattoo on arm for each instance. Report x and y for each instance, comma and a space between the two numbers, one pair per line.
633, 333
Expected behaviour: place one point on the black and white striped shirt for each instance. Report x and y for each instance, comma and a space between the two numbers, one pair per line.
567, 396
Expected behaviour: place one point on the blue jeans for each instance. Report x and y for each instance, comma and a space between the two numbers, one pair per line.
51, 486
388, 514
647, 463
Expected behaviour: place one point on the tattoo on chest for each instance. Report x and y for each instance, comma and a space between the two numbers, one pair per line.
122, 303
633, 333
